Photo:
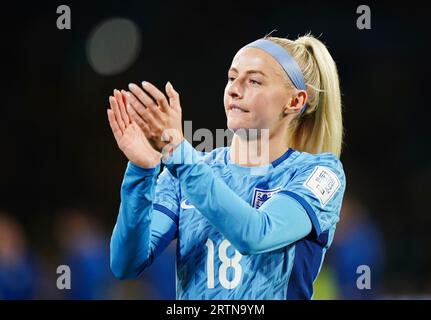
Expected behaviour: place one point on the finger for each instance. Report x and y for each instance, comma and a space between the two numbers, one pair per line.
174, 97
114, 125
136, 117
157, 95
121, 107
114, 107
144, 98
147, 101
139, 108
150, 128
125, 102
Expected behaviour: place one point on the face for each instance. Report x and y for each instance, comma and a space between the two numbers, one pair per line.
256, 94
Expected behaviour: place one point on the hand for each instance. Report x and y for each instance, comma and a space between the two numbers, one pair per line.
130, 138
159, 120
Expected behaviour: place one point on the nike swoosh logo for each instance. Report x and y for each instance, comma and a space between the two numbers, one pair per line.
184, 205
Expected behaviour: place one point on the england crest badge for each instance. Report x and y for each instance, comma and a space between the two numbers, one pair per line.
261, 195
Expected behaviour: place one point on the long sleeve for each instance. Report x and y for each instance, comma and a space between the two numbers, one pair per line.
140, 233
278, 222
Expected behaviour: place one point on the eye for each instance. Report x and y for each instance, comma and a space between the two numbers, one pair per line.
254, 82
230, 79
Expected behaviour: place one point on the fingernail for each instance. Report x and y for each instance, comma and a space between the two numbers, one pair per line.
128, 94
144, 83
131, 86
115, 91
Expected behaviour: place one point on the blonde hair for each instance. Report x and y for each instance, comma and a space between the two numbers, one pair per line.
320, 127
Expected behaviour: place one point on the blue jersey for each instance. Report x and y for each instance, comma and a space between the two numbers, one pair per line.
243, 232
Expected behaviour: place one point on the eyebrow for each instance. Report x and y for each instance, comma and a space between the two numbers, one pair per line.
249, 71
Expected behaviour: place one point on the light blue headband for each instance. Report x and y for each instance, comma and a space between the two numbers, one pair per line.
284, 58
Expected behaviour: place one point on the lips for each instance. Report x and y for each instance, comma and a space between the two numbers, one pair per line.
236, 108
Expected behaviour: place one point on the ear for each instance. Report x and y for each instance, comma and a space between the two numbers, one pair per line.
296, 102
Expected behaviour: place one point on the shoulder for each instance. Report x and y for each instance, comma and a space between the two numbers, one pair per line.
307, 162
319, 175
318, 184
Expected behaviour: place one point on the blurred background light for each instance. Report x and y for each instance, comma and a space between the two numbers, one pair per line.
113, 46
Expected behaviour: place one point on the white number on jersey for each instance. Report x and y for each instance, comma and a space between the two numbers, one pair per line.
226, 263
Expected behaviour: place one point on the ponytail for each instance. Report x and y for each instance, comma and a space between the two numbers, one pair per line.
320, 127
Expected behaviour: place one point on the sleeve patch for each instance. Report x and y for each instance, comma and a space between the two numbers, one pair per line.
323, 183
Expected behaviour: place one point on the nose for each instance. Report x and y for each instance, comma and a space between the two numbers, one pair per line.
234, 90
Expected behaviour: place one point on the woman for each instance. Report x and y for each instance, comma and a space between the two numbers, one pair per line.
248, 227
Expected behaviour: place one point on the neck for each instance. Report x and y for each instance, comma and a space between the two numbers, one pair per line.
257, 151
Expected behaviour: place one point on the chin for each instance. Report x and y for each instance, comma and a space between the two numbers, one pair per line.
240, 130
236, 125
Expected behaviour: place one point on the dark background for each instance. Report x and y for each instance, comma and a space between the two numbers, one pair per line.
57, 150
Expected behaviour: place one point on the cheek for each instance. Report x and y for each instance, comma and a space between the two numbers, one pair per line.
262, 105
225, 97
266, 108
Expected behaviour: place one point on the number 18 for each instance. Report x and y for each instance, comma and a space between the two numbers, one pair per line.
226, 262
